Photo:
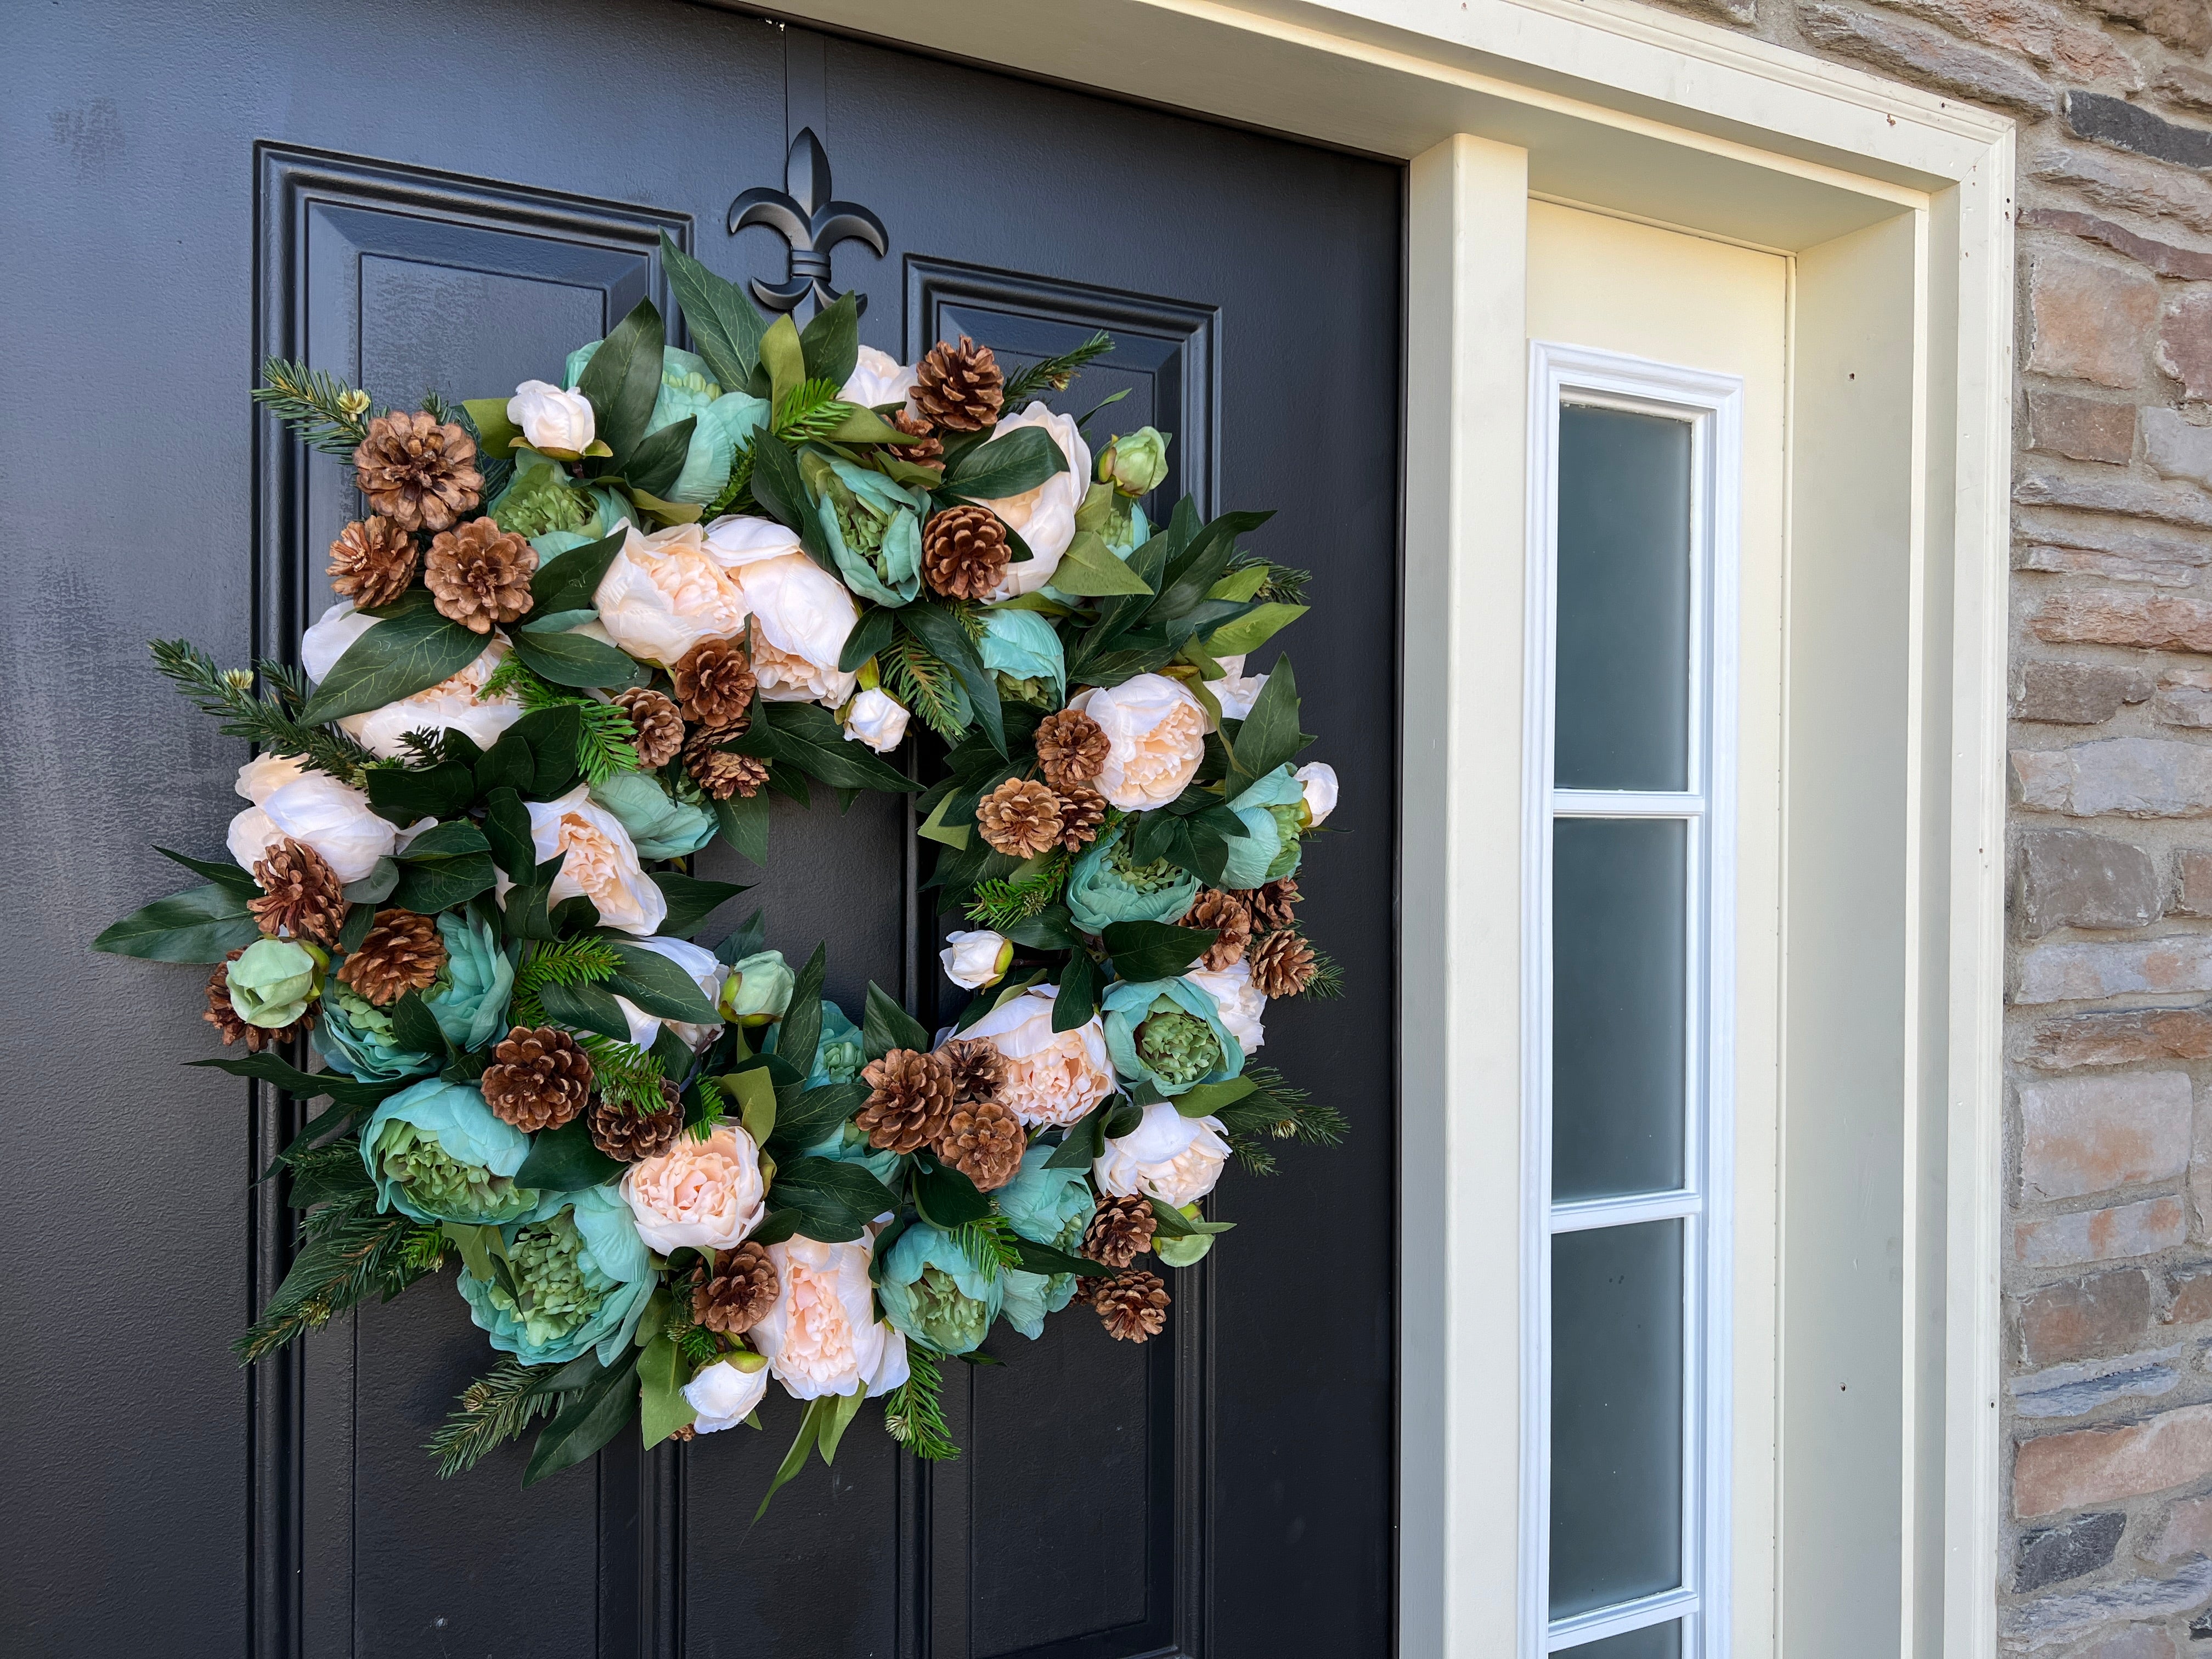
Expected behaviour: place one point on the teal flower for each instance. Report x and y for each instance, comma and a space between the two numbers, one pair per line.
1023, 647
930, 1290
838, 1055
437, 1153
577, 1278
1270, 848
274, 980
469, 997
847, 1144
661, 826
722, 425
357, 1037
1169, 1031
874, 529
1027, 1298
1106, 885
1050, 1206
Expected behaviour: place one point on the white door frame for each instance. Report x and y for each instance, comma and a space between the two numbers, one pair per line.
1896, 205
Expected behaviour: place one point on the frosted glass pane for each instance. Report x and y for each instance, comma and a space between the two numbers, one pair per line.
1620, 900
1652, 1641
1623, 601
1617, 1380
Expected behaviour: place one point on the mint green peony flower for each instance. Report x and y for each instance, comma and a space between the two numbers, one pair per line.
356, 1036
539, 499
578, 1277
1169, 1031
274, 980
1136, 462
1270, 848
1050, 1206
874, 529
1028, 1297
471, 996
1105, 885
1025, 648
930, 1290
437, 1153
661, 826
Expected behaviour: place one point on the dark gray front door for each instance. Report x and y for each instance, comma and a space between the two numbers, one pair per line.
448, 197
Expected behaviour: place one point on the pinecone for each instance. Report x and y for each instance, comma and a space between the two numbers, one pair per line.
1271, 905
629, 1137
1082, 810
480, 574
417, 473
228, 1026
300, 894
1120, 1232
719, 772
659, 728
983, 1140
543, 1078
371, 562
1223, 915
911, 1098
1020, 817
978, 1070
927, 449
683, 1432
1071, 747
1132, 1306
959, 388
714, 683
1282, 963
738, 1294
401, 952
964, 552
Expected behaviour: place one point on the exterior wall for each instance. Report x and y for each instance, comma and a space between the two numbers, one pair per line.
2108, 1398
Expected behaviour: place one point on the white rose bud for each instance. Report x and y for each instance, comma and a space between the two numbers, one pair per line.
875, 719
557, 422
1320, 780
724, 1395
974, 960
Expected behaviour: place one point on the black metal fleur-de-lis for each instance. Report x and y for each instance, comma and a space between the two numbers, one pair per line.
804, 217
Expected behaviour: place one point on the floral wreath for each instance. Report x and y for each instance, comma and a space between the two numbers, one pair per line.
587, 629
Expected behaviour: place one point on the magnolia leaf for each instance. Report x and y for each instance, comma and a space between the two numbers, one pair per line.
411, 649
725, 327
659, 987
655, 465
887, 1026
691, 899
564, 1160
574, 659
592, 1416
1090, 568
1005, 466
570, 580
742, 820
830, 345
201, 924
221, 872
661, 1374
622, 380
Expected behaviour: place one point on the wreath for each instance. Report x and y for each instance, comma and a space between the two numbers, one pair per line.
587, 629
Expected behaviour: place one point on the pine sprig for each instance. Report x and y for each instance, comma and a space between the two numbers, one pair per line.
1056, 372
737, 495
1327, 982
567, 962
326, 412
988, 1241
350, 1253
810, 409
913, 1412
270, 721
925, 685
608, 741
494, 1409
1283, 584
1007, 901
1276, 1110
625, 1075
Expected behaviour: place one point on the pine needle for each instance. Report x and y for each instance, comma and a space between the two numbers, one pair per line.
350, 1253
494, 1409
1056, 372
326, 412
1327, 982
810, 409
913, 1412
988, 1241
607, 743
1007, 901
269, 721
1275, 1110
926, 685
624, 1074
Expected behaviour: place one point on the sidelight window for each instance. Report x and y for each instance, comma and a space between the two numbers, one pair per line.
1629, 995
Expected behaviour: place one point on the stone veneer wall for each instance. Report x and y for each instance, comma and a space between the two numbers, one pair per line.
2108, 1399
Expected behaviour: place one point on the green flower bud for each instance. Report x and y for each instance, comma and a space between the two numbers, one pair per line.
840, 1061
949, 1322
272, 983
758, 989
1135, 462
1156, 877
1179, 1047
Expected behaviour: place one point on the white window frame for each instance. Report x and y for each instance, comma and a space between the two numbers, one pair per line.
1713, 405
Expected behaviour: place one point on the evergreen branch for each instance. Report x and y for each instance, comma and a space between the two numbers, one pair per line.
350, 1253
737, 495
810, 409
495, 1408
441, 411
624, 1074
607, 743
1277, 1110
1283, 584
913, 1412
700, 1347
1327, 982
1007, 901
581, 961
925, 685
268, 721
988, 1241
325, 412
1056, 372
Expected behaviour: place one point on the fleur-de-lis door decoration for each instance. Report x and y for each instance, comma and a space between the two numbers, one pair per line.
803, 213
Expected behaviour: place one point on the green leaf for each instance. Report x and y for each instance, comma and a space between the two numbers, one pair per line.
507, 764
873, 633
1089, 567
776, 484
691, 901
1205, 1099
835, 1201
622, 380
830, 345
818, 1412
590, 1417
655, 465
506, 830
661, 1374
411, 650
553, 736
1037, 1258
886, 1026
574, 659
1051, 929
373, 888
941, 634
1154, 950
1086, 1141
846, 1406
447, 865
1242, 584
753, 1092
1078, 993
783, 355
563, 1160
443, 790
806, 1119
1247, 633
416, 1027
496, 433
744, 822
570, 580
806, 736
221, 872
307, 1085
201, 924
1174, 1224
748, 940
657, 985
587, 1007
1270, 734
800, 1033
992, 472
1185, 1252
726, 328
947, 1199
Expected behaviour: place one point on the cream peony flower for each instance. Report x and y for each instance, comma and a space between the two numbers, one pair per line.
821, 1336
1174, 1159
1238, 1000
706, 1194
801, 616
557, 422
598, 860
736, 540
707, 972
1239, 692
330, 636
665, 593
974, 960
723, 1395
1156, 737
1319, 778
877, 719
1045, 517
313, 807
1052, 1077
877, 378
451, 705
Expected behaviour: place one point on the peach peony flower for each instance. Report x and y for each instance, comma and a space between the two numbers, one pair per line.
1045, 517
665, 593
706, 1194
1155, 736
1174, 1159
821, 1336
598, 860
1052, 1077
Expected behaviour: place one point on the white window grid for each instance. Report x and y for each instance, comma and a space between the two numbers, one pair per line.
1712, 404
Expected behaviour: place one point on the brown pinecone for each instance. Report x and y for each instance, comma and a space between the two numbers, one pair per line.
714, 683
401, 952
683, 1431
224, 1017
1271, 906
959, 388
371, 562
964, 552
627, 1136
719, 772
300, 894
983, 1140
1132, 1306
659, 728
480, 574
1082, 810
1020, 817
543, 1078
1071, 747
1282, 963
978, 1070
1224, 916
911, 1098
1120, 1232
927, 449
738, 1294
417, 473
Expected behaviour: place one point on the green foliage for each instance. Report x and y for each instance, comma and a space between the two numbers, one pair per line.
1328, 982
326, 412
270, 721
1283, 585
1056, 372
348, 1251
913, 1412
988, 1242
925, 685
700, 1347
810, 409
607, 745
495, 1409
625, 1074
737, 495
1007, 901
1274, 1110
583, 961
